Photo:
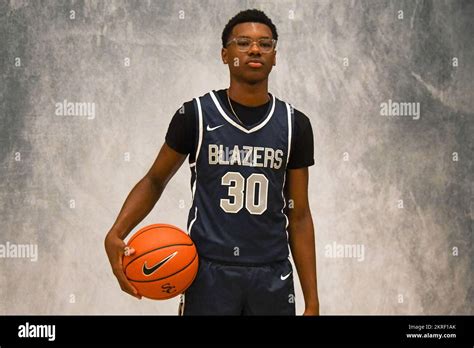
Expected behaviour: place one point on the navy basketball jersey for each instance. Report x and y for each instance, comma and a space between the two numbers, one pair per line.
237, 181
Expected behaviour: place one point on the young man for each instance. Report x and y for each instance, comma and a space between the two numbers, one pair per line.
249, 154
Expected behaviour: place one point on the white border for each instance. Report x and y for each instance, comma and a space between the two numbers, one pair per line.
198, 148
235, 124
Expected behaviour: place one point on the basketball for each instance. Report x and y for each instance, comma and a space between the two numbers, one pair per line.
164, 264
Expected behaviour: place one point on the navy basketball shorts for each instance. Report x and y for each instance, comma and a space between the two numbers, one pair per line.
233, 289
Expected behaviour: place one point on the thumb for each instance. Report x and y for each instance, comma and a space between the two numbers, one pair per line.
128, 251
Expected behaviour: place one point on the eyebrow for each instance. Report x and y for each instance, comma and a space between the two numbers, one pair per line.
248, 37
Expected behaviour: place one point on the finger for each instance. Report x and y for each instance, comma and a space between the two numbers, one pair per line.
129, 289
138, 296
125, 283
128, 251
123, 280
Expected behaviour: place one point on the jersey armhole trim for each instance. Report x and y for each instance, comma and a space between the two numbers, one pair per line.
200, 130
289, 109
193, 221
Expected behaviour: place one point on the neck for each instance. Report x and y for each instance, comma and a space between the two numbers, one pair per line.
249, 94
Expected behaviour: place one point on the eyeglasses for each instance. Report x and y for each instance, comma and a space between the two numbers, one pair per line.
244, 44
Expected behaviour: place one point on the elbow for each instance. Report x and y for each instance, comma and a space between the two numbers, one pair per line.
301, 220
300, 215
156, 184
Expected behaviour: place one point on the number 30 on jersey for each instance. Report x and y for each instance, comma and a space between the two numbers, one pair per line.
252, 192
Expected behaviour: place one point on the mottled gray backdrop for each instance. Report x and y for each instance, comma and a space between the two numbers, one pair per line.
399, 186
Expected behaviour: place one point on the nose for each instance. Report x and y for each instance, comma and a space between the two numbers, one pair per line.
254, 47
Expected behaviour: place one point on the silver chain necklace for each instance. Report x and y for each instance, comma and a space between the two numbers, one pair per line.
228, 99
233, 111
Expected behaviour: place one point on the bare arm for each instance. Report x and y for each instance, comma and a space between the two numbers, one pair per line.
138, 204
301, 237
147, 191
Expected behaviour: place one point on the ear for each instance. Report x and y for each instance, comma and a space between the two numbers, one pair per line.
224, 55
275, 58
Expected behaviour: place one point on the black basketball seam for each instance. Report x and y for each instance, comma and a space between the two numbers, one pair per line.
141, 232
150, 251
149, 281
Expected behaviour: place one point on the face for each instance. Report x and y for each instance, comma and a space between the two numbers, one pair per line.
240, 63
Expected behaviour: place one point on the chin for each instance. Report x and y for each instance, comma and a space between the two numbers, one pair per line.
255, 78
254, 81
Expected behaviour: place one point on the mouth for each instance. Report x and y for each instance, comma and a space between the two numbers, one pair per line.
254, 63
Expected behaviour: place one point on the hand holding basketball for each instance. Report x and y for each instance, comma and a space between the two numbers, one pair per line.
164, 264
116, 248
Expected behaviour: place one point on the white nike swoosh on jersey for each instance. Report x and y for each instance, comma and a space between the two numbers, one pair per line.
213, 128
282, 277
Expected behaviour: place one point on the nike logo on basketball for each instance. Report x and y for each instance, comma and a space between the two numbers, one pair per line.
213, 128
149, 271
282, 277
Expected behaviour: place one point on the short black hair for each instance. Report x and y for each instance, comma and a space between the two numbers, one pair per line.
246, 16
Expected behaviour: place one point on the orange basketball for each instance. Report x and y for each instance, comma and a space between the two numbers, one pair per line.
164, 264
